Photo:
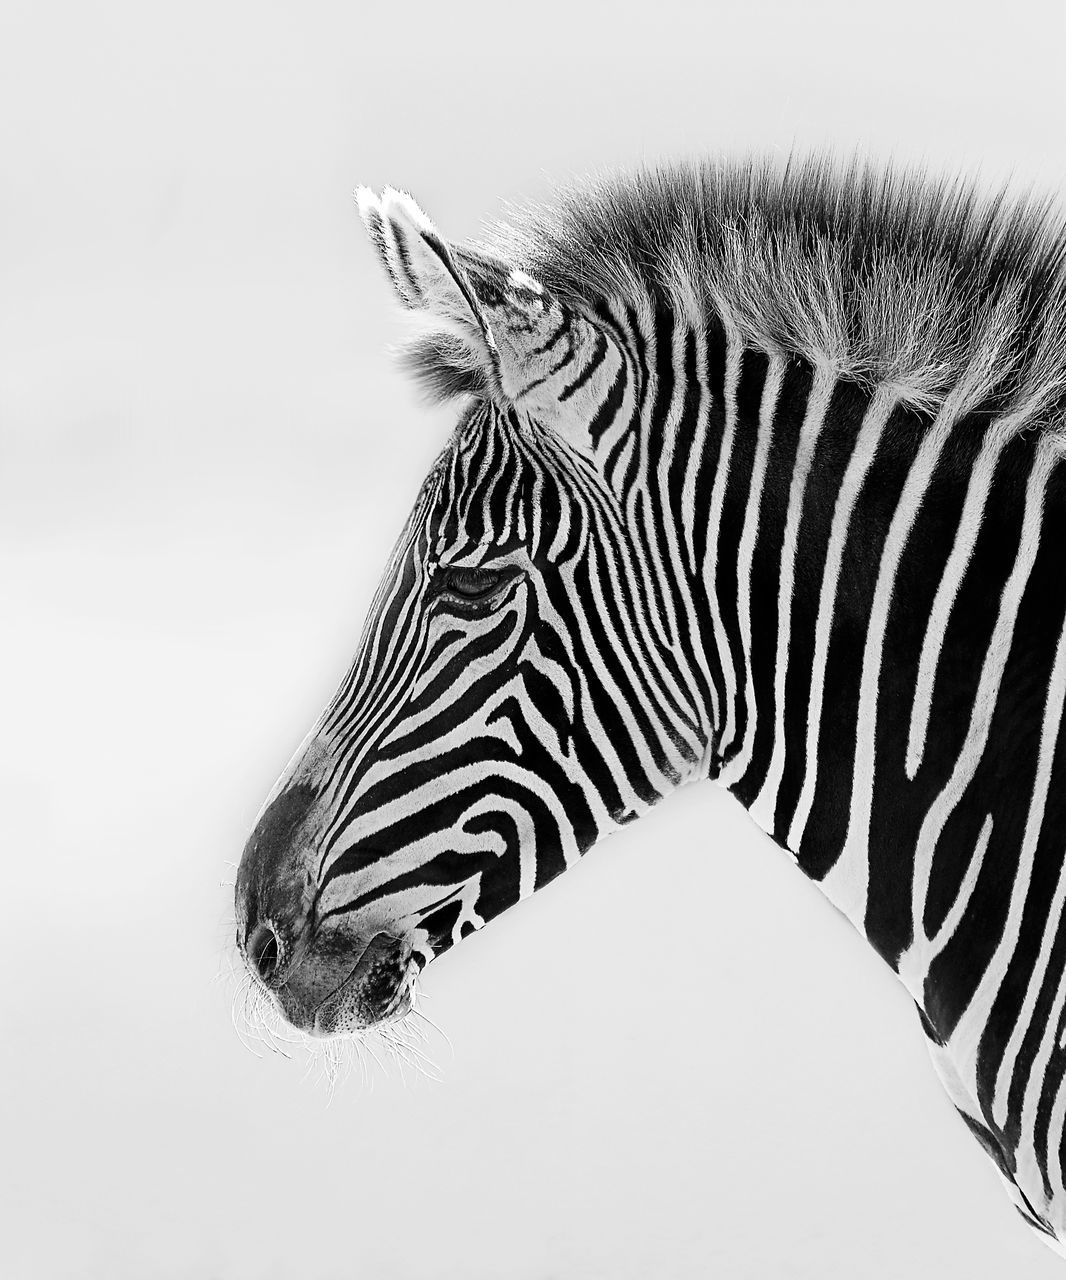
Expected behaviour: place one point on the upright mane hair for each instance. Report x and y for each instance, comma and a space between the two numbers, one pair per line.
885, 276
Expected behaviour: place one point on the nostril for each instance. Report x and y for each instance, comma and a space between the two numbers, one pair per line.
263, 952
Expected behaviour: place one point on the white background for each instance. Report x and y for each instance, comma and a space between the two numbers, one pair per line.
678, 1061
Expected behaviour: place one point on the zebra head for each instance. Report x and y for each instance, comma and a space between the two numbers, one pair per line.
520, 690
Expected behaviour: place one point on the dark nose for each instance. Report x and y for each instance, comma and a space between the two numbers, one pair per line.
263, 951
273, 884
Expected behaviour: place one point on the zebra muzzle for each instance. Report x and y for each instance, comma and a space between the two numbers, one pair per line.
326, 995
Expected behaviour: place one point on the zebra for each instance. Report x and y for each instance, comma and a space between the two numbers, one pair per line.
758, 477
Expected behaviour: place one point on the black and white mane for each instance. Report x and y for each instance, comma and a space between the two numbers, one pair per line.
884, 276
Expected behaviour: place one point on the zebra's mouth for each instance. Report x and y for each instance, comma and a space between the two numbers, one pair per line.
373, 995
373, 991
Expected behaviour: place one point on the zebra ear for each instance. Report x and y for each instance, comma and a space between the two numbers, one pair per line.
488, 328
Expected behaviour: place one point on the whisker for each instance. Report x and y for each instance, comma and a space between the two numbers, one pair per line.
398, 1048
238, 1015
439, 1030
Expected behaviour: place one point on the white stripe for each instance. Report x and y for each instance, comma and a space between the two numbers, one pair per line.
953, 918
866, 445
695, 451
1049, 734
973, 510
775, 374
1055, 1128
681, 551
847, 883
734, 355
764, 805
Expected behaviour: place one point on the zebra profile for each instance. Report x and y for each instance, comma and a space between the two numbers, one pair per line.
758, 476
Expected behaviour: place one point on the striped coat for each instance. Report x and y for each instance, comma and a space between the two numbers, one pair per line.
758, 477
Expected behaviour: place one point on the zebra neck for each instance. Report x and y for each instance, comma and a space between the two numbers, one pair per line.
806, 451
858, 554
793, 447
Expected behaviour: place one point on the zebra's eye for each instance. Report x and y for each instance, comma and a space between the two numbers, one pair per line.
472, 584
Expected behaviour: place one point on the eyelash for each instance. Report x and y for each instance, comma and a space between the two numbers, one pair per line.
481, 583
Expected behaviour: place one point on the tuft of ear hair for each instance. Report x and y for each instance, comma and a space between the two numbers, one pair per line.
487, 328
456, 338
